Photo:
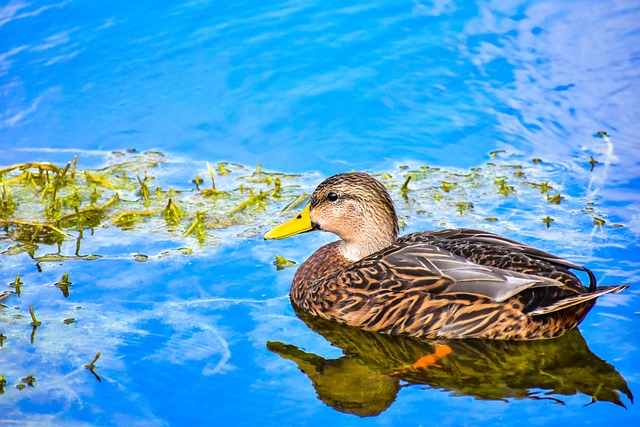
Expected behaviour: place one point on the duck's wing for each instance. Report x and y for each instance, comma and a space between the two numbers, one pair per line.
488, 248
478, 236
422, 267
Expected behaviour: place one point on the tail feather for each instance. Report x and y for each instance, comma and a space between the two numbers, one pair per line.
577, 299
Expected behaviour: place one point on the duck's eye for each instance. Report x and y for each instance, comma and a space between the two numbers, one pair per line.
332, 197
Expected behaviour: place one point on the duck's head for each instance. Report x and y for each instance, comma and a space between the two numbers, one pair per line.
355, 206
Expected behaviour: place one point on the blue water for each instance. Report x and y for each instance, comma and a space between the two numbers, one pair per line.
304, 87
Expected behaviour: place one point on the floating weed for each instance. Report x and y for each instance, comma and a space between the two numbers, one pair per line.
509, 166
7, 203
43, 205
198, 227
545, 187
73, 200
213, 179
278, 186
216, 194
556, 198
259, 176
295, 203
198, 181
503, 188
17, 285
589, 208
252, 200
447, 186
95, 196
222, 169
599, 221
172, 213
281, 262
93, 180
405, 188
548, 220
536, 161
3, 337
126, 220
30, 232
34, 321
29, 380
92, 365
144, 188
64, 284
464, 206
592, 163
73, 168
4, 295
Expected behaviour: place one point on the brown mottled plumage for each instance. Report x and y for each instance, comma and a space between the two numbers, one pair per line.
458, 283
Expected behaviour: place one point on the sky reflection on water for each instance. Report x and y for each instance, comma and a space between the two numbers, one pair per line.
313, 88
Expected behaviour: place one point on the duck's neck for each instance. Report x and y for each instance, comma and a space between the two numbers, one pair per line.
366, 239
365, 246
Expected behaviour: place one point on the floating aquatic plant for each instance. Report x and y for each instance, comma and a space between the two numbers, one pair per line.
29, 380
34, 321
599, 221
281, 262
64, 284
548, 220
556, 198
91, 366
46, 205
17, 285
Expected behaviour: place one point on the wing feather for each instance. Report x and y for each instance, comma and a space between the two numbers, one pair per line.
419, 264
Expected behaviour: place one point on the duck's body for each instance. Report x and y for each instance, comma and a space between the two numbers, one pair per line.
458, 283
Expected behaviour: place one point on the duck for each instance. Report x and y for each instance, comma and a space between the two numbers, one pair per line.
451, 283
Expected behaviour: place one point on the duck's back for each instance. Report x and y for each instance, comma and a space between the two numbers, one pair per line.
491, 249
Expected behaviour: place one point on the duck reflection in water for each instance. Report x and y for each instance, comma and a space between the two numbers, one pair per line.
366, 380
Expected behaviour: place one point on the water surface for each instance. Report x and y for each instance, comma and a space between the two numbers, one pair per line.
315, 88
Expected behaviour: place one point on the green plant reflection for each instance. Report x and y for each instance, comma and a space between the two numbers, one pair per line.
367, 378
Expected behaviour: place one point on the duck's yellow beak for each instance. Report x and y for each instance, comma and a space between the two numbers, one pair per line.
297, 225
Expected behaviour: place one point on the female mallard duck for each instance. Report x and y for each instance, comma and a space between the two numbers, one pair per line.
457, 283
